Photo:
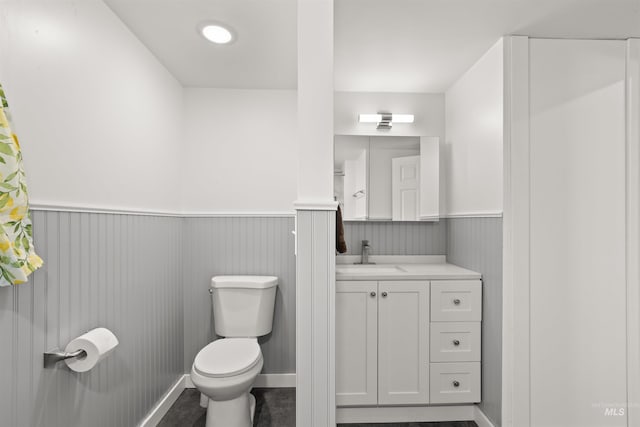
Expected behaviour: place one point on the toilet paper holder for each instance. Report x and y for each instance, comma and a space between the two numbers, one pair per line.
54, 356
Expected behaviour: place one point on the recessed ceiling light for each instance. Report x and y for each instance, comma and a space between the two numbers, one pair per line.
216, 33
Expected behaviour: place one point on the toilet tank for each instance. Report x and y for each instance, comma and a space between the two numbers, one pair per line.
243, 305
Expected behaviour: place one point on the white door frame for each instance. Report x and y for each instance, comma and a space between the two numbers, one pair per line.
633, 231
516, 238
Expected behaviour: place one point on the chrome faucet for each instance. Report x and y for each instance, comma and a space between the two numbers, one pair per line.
365, 253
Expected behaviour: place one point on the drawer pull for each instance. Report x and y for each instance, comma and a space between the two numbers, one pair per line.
456, 384
373, 294
456, 342
384, 294
456, 301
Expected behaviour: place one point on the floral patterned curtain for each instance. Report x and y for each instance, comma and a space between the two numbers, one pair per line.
18, 258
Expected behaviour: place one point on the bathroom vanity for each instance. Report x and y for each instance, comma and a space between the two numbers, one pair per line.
407, 339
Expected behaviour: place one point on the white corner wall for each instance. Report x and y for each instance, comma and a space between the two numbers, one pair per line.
474, 138
241, 155
99, 118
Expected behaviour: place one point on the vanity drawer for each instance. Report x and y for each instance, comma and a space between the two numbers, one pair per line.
455, 342
455, 382
456, 301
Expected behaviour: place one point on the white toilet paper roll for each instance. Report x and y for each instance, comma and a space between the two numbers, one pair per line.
97, 343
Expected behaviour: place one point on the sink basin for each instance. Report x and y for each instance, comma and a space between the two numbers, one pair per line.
368, 269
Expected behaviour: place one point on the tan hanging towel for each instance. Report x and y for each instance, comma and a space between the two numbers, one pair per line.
18, 258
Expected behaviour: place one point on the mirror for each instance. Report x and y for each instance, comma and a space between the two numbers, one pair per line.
387, 178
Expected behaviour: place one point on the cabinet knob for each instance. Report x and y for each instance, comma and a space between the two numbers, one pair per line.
373, 294
211, 291
456, 342
456, 384
456, 301
384, 294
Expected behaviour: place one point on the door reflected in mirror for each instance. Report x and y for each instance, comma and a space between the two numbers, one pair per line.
387, 178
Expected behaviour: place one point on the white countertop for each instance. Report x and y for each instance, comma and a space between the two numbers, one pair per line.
401, 268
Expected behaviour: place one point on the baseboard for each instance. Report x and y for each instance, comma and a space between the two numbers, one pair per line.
481, 419
262, 381
410, 414
164, 404
405, 414
343, 415
187, 381
275, 380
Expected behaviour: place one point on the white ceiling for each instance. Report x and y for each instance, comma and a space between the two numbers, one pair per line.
380, 45
425, 45
263, 56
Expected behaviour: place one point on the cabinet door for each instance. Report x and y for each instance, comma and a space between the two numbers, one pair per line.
403, 343
356, 343
429, 177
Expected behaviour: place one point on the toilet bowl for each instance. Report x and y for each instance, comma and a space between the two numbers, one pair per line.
224, 371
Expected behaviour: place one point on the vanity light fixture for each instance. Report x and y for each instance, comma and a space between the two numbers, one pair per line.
385, 120
216, 33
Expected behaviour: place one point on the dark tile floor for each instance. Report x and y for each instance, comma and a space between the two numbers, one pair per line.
275, 407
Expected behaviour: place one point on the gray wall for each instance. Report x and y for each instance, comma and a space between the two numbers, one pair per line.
240, 245
476, 243
117, 271
397, 238
147, 277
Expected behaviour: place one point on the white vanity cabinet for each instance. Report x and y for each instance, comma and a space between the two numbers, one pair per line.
408, 343
382, 343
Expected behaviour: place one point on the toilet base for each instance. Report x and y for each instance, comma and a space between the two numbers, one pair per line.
204, 401
252, 406
236, 412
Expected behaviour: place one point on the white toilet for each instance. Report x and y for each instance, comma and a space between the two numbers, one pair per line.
225, 370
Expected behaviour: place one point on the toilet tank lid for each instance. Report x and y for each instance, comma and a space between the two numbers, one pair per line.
246, 282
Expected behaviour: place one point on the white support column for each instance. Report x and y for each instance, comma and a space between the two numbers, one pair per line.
315, 338
315, 101
515, 346
315, 220
633, 231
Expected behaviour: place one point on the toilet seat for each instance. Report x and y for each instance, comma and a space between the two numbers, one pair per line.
227, 357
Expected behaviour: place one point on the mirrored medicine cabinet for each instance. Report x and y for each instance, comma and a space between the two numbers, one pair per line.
387, 178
